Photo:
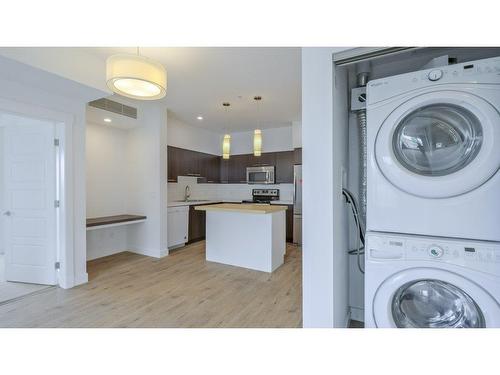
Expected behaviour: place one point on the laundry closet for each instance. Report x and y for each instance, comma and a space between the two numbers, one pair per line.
352, 73
126, 178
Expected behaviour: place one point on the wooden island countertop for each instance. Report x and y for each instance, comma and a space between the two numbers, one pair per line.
243, 208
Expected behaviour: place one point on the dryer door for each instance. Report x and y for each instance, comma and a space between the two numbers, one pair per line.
432, 298
439, 144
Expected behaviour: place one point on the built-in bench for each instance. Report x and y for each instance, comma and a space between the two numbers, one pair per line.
113, 221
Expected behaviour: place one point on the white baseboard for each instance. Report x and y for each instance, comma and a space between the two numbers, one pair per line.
81, 279
148, 252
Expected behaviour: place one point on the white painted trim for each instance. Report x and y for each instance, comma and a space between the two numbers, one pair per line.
64, 124
115, 224
148, 252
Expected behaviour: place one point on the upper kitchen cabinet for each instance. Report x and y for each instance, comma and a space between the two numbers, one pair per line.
173, 160
284, 167
237, 169
267, 158
183, 162
297, 156
210, 168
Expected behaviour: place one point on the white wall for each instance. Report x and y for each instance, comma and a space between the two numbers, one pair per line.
196, 138
273, 139
147, 187
61, 100
325, 282
180, 134
107, 170
297, 134
2, 209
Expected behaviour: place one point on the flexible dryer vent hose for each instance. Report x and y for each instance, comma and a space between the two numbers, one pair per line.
362, 165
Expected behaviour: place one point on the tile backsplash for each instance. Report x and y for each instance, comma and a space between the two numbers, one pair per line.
221, 191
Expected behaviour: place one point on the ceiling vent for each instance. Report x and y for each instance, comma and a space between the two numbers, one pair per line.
115, 107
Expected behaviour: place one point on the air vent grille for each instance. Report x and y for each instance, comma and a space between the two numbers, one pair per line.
115, 107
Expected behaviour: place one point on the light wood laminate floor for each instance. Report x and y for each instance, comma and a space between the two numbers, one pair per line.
181, 290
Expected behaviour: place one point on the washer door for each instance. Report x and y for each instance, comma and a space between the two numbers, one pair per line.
439, 144
431, 298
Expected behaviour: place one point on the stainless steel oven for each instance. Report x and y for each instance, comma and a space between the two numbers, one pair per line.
260, 175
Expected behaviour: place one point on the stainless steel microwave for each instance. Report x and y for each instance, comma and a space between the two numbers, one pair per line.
260, 175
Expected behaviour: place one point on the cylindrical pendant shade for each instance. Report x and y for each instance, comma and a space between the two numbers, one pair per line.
136, 77
257, 143
226, 146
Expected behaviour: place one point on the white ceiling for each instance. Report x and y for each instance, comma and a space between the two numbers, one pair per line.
200, 79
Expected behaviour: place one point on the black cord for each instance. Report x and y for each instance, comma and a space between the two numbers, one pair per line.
354, 208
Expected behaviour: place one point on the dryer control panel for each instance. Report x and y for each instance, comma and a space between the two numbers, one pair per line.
486, 71
483, 256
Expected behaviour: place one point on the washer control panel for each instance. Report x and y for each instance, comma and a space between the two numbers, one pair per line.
435, 251
481, 255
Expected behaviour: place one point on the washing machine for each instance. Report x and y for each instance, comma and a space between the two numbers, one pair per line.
433, 143
431, 282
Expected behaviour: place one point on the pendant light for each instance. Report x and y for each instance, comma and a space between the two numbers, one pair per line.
226, 142
257, 134
136, 76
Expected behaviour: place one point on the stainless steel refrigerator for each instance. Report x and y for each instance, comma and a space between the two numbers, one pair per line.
297, 204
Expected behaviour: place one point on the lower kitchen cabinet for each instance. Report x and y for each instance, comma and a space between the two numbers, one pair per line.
177, 226
289, 223
197, 225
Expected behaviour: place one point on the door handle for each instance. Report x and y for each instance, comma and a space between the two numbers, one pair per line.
7, 213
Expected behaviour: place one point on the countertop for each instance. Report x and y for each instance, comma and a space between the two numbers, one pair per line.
196, 202
243, 208
288, 203
108, 220
208, 201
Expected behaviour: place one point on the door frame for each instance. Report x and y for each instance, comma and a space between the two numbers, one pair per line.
64, 182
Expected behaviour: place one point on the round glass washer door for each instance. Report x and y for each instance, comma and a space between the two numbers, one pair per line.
434, 304
439, 144
424, 297
437, 139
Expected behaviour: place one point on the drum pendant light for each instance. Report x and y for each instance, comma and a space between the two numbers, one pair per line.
257, 134
226, 146
257, 142
226, 142
136, 76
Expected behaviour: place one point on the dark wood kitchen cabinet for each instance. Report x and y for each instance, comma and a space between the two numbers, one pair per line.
267, 158
182, 162
173, 163
289, 223
197, 225
214, 169
284, 167
237, 169
297, 156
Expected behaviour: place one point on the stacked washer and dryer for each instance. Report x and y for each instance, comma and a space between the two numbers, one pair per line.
432, 250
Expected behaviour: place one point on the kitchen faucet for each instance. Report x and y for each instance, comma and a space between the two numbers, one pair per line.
187, 193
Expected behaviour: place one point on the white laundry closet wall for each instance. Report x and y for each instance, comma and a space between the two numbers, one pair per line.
2, 208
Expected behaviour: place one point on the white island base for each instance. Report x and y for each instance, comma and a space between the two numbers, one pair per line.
243, 237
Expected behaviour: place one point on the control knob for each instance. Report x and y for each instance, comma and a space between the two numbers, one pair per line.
435, 251
435, 75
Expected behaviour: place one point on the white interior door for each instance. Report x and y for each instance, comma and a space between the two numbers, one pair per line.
29, 199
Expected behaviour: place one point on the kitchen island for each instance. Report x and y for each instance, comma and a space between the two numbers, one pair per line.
245, 235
